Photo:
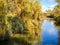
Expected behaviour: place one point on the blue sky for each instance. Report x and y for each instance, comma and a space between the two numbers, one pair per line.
47, 4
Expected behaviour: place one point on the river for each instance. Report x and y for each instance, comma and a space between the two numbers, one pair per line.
49, 34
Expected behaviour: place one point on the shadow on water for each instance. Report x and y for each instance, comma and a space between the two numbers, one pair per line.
14, 41
58, 38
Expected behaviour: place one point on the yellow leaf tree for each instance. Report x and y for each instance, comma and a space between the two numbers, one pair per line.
22, 18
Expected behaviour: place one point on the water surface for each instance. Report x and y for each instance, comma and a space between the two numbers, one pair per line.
49, 34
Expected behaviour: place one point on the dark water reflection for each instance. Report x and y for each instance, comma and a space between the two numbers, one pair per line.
13, 41
9, 42
49, 34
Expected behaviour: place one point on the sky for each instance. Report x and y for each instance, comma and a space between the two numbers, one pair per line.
47, 4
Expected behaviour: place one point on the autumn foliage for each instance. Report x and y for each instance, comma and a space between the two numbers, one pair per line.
20, 17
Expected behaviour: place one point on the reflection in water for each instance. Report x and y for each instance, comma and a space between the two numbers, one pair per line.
9, 42
14, 41
49, 34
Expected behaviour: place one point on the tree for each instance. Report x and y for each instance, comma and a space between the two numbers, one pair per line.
56, 12
21, 16
58, 1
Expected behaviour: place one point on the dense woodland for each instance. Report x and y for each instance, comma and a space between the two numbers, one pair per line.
21, 19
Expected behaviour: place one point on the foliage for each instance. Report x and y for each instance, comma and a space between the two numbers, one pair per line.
58, 1
56, 13
49, 14
18, 23
20, 17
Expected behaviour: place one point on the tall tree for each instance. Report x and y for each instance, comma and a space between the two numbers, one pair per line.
22, 16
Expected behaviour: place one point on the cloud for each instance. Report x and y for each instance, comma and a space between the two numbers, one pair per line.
48, 0
51, 7
51, 0
44, 8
